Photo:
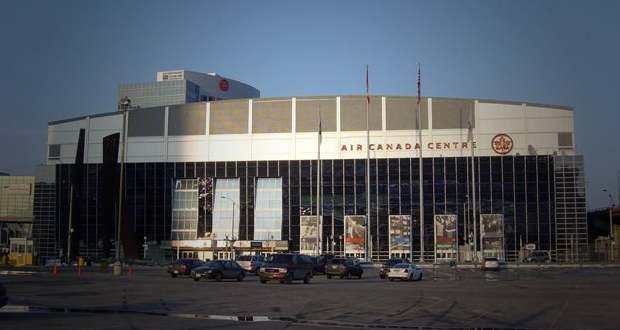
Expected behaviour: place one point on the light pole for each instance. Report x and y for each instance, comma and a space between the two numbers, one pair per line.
232, 225
618, 179
146, 247
125, 101
611, 227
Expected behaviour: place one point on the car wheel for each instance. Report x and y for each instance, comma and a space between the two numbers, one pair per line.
240, 277
359, 276
307, 279
173, 275
348, 275
391, 279
289, 278
256, 271
263, 281
196, 279
420, 277
218, 277
329, 277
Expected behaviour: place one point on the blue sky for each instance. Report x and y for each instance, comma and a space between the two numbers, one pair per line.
65, 58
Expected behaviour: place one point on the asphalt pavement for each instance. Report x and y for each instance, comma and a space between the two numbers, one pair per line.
523, 297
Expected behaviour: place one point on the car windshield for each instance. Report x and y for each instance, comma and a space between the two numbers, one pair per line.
401, 266
337, 261
280, 259
214, 263
244, 258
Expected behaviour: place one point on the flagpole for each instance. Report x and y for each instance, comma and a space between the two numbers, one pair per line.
420, 172
318, 190
470, 139
367, 231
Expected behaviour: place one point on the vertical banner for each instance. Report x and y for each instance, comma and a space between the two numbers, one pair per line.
355, 233
309, 233
492, 232
445, 236
400, 234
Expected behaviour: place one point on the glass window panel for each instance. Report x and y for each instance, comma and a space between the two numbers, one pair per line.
268, 210
226, 208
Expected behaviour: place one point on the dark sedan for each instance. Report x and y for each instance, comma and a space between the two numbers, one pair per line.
343, 267
183, 266
219, 270
3, 297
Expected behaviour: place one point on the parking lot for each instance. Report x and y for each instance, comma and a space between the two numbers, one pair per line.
538, 297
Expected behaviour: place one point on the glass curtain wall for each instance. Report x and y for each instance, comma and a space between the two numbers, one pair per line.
268, 209
226, 209
267, 198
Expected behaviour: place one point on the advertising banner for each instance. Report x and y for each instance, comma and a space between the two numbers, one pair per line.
309, 233
400, 233
492, 234
355, 233
445, 232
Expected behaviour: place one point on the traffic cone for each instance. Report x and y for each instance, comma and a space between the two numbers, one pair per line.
80, 270
130, 270
55, 269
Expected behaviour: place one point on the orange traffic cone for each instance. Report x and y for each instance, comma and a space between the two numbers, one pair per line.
130, 270
55, 269
80, 270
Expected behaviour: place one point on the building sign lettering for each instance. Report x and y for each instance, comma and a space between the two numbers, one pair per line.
408, 146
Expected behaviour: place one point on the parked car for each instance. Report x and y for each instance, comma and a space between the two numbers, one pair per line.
320, 262
538, 256
287, 267
3, 298
218, 270
343, 267
250, 263
405, 271
385, 267
490, 263
183, 266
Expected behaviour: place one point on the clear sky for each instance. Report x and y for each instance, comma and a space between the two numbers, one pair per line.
65, 58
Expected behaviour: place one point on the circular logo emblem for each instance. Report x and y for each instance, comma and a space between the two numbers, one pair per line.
224, 85
502, 144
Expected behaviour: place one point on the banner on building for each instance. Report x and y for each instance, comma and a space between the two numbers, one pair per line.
492, 234
355, 233
309, 233
400, 233
445, 233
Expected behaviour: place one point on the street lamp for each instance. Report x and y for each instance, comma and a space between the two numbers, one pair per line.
124, 101
611, 226
232, 225
146, 247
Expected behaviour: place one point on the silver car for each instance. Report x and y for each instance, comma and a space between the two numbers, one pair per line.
405, 271
251, 263
490, 263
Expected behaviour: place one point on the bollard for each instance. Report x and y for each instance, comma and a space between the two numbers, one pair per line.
80, 270
130, 270
55, 269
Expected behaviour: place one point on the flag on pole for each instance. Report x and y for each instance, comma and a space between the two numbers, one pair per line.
367, 95
320, 132
419, 84
470, 126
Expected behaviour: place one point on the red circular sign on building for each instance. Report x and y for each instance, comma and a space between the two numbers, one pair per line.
224, 85
502, 144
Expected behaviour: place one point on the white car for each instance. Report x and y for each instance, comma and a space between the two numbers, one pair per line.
490, 263
405, 271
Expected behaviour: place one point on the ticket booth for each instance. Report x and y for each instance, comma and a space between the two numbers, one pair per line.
21, 251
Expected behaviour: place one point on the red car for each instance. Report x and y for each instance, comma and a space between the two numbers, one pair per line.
183, 267
343, 267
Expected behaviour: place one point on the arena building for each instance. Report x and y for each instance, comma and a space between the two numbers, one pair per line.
431, 178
